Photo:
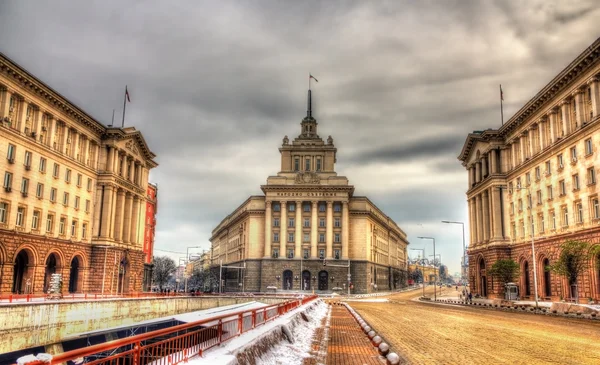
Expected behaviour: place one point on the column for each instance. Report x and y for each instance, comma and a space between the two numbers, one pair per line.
268, 226
4, 101
541, 125
75, 144
493, 161
21, 116
552, 120
486, 215
595, 90
513, 155
580, 117
283, 235
346, 231
86, 152
484, 166
110, 159
299, 230
37, 122
314, 227
564, 109
477, 172
470, 172
106, 203
472, 221
497, 213
522, 149
120, 215
135, 213
113, 214
479, 212
329, 233
127, 220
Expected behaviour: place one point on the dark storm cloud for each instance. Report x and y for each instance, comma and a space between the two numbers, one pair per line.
215, 85
410, 150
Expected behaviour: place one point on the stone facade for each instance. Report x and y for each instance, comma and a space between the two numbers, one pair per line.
72, 189
307, 228
533, 183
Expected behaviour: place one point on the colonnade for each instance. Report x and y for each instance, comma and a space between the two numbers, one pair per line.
485, 215
299, 228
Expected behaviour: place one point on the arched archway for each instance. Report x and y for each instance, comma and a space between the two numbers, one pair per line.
547, 278
123, 283
482, 277
52, 266
74, 280
323, 280
305, 280
288, 279
23, 273
525, 279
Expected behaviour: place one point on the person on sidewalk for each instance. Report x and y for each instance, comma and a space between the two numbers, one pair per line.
470, 298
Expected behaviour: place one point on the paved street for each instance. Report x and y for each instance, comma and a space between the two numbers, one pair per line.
443, 334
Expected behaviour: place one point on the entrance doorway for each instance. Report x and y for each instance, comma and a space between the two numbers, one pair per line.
288, 279
74, 275
323, 280
51, 268
547, 281
305, 280
20, 273
123, 283
526, 282
483, 278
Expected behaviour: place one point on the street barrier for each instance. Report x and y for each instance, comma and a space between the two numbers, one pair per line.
178, 343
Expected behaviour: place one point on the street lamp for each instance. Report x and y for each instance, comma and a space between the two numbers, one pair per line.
434, 276
423, 268
439, 268
530, 201
464, 266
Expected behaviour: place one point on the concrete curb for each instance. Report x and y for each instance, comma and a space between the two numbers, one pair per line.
517, 308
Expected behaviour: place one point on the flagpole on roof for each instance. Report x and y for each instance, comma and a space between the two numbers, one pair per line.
125, 97
501, 105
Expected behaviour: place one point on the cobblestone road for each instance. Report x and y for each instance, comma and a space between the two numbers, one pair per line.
441, 334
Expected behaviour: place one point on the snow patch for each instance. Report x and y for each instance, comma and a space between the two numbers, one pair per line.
303, 333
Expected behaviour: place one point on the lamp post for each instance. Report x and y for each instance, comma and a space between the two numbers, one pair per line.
530, 202
423, 268
434, 276
187, 260
438, 269
463, 264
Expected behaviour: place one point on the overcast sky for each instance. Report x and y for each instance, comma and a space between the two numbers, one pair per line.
216, 85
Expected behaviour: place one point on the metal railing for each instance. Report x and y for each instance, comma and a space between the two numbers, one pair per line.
176, 344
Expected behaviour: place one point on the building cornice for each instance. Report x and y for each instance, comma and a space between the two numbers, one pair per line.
589, 57
33, 84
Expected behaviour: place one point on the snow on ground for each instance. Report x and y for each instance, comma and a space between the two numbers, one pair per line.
224, 355
286, 353
374, 300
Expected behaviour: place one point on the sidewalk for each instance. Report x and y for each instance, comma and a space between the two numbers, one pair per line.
348, 344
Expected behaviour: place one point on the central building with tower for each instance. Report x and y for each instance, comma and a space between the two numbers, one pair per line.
307, 227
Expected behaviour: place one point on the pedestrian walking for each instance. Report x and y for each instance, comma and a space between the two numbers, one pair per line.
471, 298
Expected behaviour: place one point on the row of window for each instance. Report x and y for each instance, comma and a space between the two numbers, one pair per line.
589, 149
322, 223
21, 218
305, 253
564, 217
39, 192
291, 207
27, 162
337, 237
307, 164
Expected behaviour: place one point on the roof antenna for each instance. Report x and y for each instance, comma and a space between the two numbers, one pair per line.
113, 119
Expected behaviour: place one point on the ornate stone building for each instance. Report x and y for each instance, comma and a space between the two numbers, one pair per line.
73, 194
307, 219
535, 178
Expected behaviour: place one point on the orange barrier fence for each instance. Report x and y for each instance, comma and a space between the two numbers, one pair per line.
176, 344
15, 298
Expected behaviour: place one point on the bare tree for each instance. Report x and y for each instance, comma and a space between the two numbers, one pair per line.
164, 266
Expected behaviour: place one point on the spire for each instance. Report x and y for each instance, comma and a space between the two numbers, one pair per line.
309, 110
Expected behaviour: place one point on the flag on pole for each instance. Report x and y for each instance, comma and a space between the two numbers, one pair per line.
127, 94
312, 77
501, 93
